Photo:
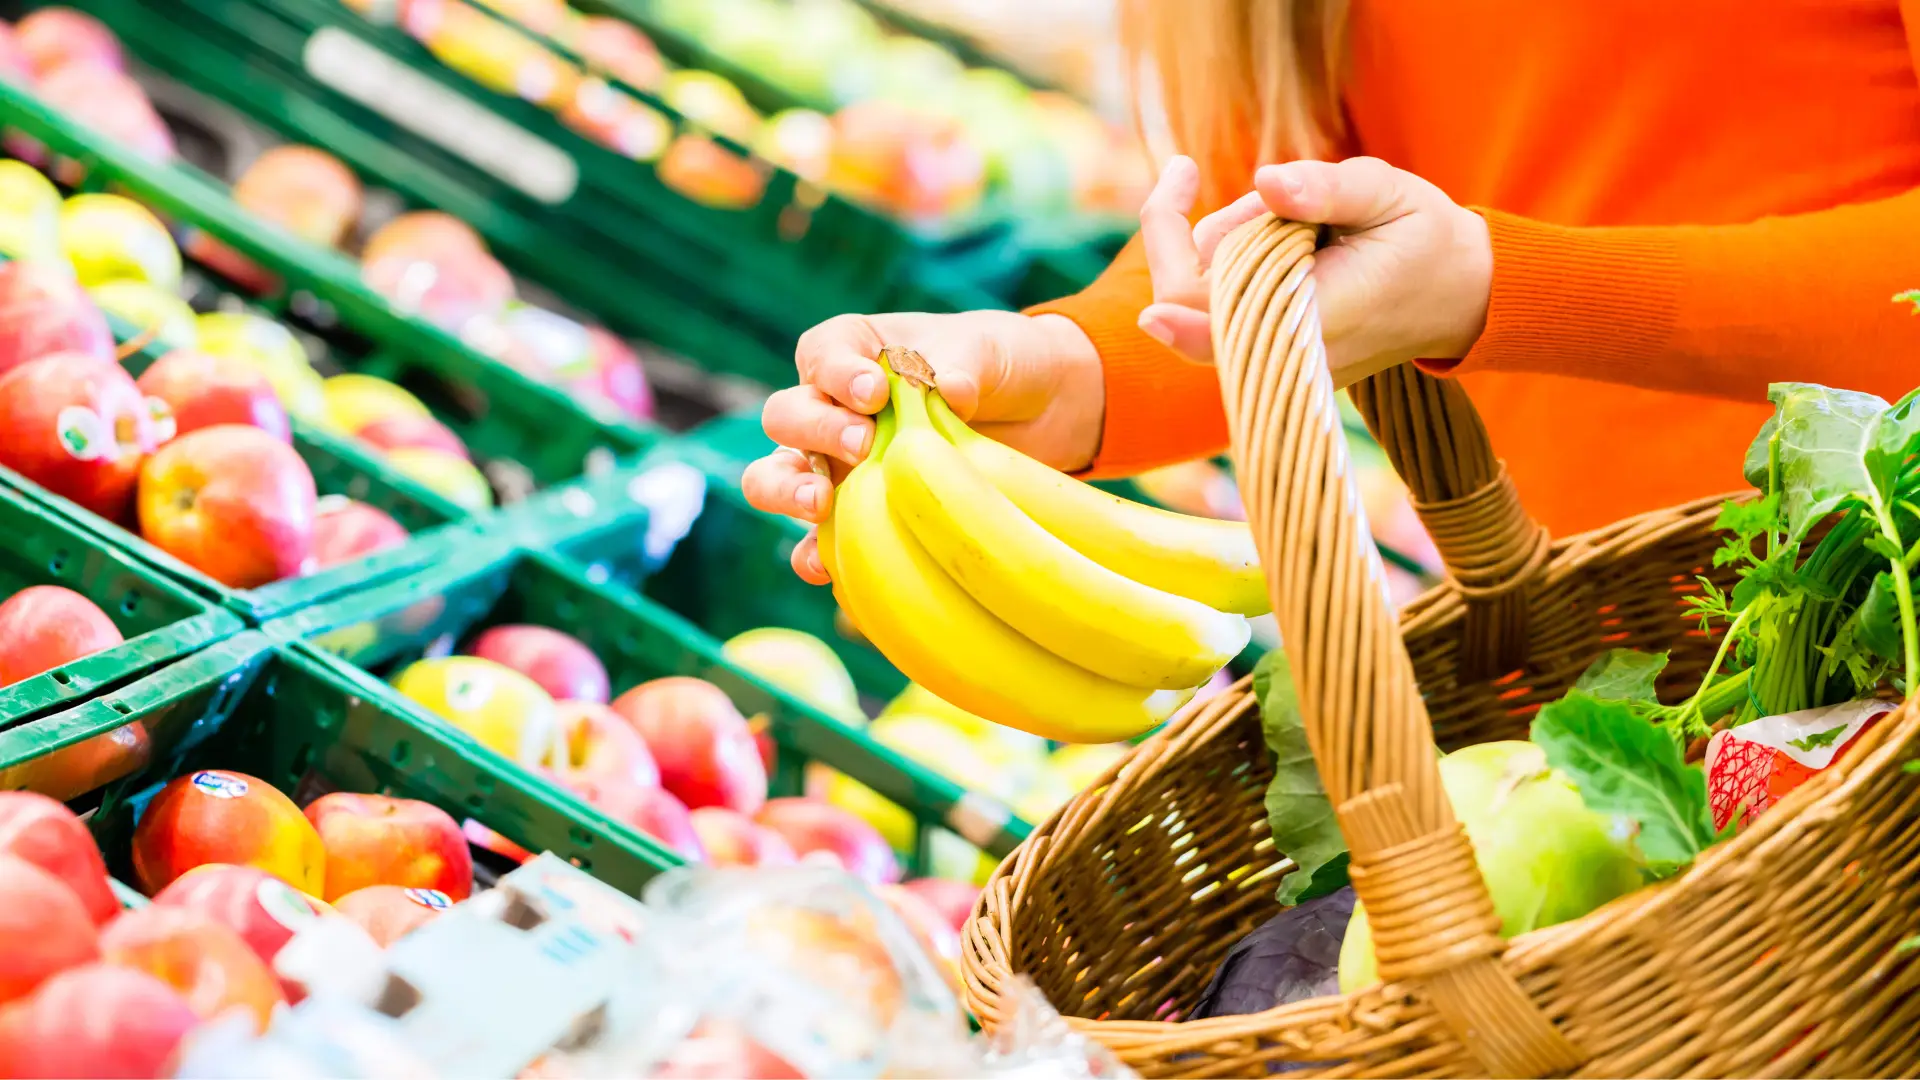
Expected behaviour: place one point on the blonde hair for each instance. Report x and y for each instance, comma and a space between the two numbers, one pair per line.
1241, 82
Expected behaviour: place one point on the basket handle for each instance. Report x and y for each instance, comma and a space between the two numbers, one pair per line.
1492, 550
1433, 923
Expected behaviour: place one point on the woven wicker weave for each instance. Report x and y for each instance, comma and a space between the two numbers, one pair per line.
1775, 954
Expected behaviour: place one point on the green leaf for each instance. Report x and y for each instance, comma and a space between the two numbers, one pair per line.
1754, 468
1911, 296
1627, 767
1298, 811
1818, 739
1839, 446
1877, 624
1624, 675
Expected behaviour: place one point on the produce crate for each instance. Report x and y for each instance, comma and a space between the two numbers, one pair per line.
428, 613
308, 724
340, 467
502, 415
161, 620
730, 288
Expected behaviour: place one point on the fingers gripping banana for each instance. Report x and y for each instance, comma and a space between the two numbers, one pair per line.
1033, 581
941, 638
1213, 562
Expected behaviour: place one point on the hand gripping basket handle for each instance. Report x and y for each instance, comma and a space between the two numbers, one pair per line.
1434, 926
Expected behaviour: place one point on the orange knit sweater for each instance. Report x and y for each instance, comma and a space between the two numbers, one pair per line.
1687, 201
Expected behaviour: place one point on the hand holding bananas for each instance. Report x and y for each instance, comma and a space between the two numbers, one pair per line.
1020, 594
1033, 382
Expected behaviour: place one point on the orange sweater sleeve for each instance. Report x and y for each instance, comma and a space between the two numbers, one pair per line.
1161, 407
1716, 310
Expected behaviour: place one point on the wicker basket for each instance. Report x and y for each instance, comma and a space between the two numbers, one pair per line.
1775, 954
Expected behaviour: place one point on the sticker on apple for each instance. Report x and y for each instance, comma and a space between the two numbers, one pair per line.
287, 905
219, 785
83, 434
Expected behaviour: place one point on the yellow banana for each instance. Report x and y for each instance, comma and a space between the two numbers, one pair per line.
1065, 602
1199, 558
941, 638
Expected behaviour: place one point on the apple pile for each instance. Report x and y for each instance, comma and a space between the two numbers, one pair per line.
235, 870
672, 757
441, 272
76, 66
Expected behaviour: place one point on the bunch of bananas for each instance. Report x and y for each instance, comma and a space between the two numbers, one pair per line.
1020, 594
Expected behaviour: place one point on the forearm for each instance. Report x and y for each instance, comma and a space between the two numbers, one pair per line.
1160, 408
1715, 310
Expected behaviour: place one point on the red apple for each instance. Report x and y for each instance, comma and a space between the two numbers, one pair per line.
38, 830
561, 663
650, 810
15, 68
110, 102
345, 529
97, 1020
401, 432
209, 964
265, 911
45, 626
425, 234
905, 160
43, 311
812, 825
449, 292
732, 839
54, 37
231, 501
601, 745
487, 840
377, 840
930, 928
74, 770
303, 189
44, 928
954, 900
618, 376
217, 816
205, 390
614, 46
703, 745
79, 427
718, 1049
388, 912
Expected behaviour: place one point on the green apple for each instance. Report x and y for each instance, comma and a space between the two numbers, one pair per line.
273, 351
143, 305
504, 710
29, 214
448, 475
802, 665
113, 238
1545, 857
354, 401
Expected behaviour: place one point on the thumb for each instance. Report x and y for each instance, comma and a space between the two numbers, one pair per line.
1355, 194
1185, 330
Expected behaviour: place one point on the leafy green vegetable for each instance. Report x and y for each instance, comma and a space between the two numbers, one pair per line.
1818, 739
1627, 767
1623, 675
1298, 810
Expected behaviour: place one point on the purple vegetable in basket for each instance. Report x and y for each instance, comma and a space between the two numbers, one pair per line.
1291, 957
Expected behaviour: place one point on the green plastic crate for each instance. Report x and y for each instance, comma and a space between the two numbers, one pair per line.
160, 620
308, 724
500, 413
383, 628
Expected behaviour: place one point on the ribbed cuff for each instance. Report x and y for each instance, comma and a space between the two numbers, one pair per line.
1161, 407
1597, 303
